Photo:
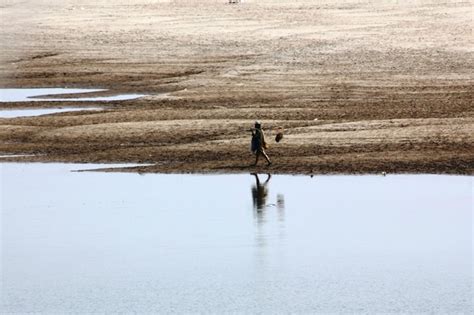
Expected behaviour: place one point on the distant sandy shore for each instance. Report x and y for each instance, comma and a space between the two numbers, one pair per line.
356, 86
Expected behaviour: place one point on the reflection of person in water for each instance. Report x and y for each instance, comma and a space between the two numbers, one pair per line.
260, 193
263, 217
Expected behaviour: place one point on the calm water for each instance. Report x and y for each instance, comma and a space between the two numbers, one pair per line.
13, 113
97, 242
41, 94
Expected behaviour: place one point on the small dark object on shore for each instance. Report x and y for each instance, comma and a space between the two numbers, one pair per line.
279, 136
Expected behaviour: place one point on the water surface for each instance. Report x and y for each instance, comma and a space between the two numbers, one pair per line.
14, 113
43, 94
98, 242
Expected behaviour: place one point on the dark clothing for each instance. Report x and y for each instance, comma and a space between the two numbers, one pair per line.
258, 145
258, 139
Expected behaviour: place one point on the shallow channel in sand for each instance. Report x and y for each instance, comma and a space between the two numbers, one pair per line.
52, 95
14, 113
89, 242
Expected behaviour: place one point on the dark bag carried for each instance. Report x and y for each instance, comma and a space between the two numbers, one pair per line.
279, 136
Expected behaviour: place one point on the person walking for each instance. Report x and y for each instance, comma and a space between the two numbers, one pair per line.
258, 144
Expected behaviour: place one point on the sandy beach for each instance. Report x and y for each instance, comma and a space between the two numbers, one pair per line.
356, 86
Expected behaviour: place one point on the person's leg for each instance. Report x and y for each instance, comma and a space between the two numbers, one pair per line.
257, 154
268, 178
266, 157
257, 180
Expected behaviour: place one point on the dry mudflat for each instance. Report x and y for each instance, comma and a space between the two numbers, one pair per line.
356, 86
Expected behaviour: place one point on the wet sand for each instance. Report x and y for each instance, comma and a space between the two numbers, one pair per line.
357, 87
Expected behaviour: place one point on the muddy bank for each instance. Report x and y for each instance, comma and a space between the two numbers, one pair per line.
357, 88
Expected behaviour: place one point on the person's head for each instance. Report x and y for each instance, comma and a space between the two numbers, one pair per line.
258, 125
